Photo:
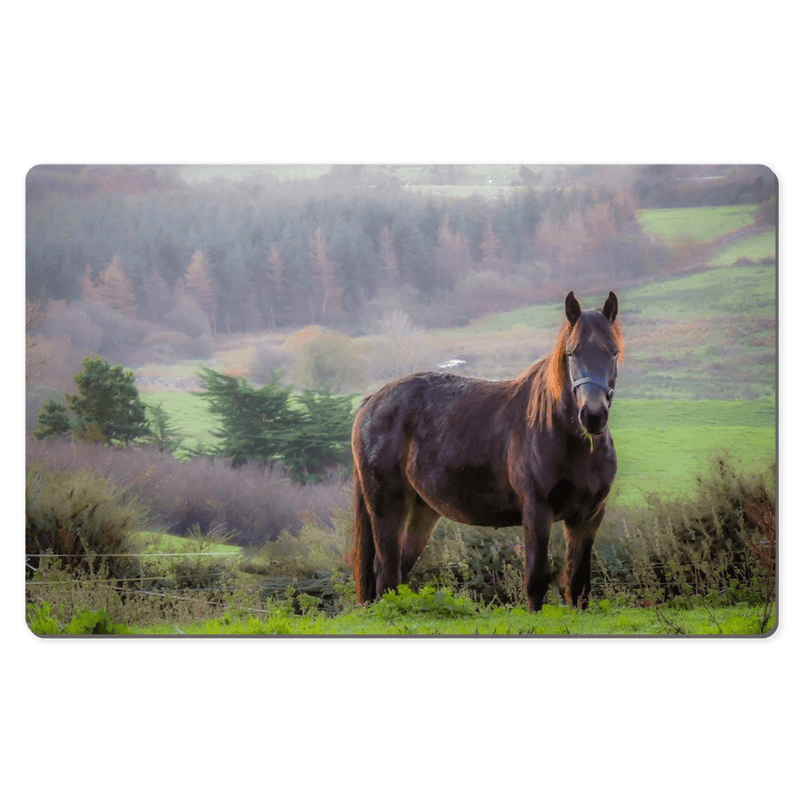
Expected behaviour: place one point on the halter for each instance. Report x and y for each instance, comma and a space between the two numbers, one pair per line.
594, 382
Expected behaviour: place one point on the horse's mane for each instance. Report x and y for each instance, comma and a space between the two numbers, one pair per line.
547, 377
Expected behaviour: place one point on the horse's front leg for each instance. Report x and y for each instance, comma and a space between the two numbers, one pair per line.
537, 520
578, 566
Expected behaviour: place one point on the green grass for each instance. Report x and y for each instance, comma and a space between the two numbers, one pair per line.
160, 550
601, 619
188, 414
727, 290
756, 248
703, 224
662, 445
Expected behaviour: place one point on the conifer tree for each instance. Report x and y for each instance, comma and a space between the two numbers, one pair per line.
53, 421
108, 402
307, 433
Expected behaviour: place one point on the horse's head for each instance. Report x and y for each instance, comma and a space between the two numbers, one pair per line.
592, 347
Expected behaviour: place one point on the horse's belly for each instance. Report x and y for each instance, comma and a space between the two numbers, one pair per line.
472, 495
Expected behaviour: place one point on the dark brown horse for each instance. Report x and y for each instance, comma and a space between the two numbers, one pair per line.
522, 452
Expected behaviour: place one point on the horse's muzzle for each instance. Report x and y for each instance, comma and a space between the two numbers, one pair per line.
593, 419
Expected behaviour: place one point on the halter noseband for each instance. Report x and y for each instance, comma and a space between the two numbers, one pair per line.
594, 382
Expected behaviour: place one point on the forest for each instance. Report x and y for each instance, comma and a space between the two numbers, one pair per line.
127, 244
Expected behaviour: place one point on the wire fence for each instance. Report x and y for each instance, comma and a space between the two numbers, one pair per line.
263, 582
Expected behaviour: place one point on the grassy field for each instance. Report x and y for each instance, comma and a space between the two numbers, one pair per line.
553, 621
662, 445
755, 248
678, 225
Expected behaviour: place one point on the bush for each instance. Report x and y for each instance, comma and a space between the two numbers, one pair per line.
329, 361
253, 504
719, 545
313, 562
83, 520
269, 361
86, 623
484, 562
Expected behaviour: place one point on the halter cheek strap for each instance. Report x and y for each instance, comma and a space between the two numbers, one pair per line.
589, 379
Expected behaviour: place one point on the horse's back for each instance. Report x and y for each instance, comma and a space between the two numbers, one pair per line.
445, 437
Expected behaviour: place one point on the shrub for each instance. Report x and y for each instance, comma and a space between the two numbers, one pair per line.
83, 520
120, 334
269, 361
252, 503
442, 604
484, 562
398, 348
329, 361
86, 623
718, 545
188, 318
312, 562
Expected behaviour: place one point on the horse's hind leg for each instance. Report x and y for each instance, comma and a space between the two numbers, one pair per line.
578, 567
421, 522
389, 510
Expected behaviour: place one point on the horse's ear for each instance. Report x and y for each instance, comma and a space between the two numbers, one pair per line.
611, 307
573, 308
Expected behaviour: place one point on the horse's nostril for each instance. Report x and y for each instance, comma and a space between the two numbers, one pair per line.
593, 422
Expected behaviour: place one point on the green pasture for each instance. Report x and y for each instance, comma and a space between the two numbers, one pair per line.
703, 224
188, 414
756, 248
663, 444
748, 290
601, 619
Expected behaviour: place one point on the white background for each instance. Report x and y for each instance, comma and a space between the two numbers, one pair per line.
358, 82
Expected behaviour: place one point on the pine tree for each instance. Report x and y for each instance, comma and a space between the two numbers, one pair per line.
307, 433
107, 403
90, 292
386, 254
53, 421
157, 295
491, 247
164, 436
275, 279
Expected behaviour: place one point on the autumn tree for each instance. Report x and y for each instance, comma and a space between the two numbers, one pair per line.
197, 284
324, 291
115, 289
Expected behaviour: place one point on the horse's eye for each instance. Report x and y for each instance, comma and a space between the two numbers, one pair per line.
571, 353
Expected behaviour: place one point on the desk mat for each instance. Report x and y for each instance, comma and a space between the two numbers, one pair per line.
439, 401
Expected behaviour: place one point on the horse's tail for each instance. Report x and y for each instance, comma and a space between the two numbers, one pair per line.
363, 546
